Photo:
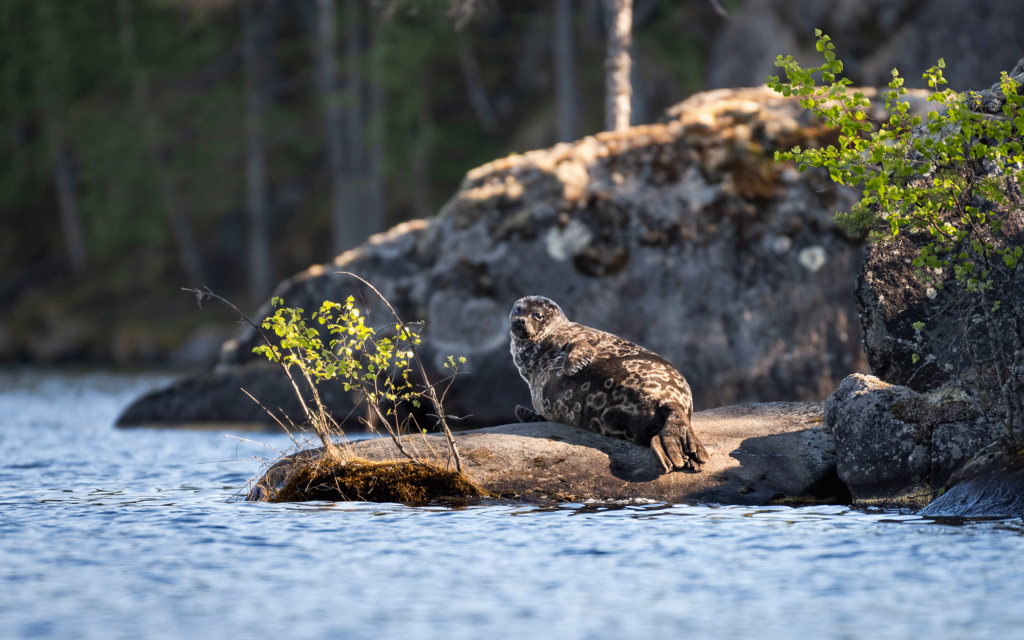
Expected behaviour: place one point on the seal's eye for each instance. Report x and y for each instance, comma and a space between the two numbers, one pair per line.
538, 315
517, 310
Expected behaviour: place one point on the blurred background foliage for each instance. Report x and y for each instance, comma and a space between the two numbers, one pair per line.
140, 107
147, 145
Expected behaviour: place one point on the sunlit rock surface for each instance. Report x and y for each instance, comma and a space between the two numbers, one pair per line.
759, 453
685, 237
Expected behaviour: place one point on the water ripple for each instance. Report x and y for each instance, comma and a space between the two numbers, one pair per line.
107, 533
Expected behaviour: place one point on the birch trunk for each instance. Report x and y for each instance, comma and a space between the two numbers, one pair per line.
638, 103
188, 249
63, 167
259, 234
618, 91
565, 70
67, 201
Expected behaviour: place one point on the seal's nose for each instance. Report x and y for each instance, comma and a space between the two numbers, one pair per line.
518, 326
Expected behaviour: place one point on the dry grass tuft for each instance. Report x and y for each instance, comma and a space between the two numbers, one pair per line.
323, 478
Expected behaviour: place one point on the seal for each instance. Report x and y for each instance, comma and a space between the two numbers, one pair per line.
600, 382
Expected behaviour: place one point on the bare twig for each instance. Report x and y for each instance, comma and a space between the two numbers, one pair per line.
262, 444
200, 294
431, 393
719, 10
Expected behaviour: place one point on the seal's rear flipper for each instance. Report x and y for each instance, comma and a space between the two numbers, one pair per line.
528, 415
677, 446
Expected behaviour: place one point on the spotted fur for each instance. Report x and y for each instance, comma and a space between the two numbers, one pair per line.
597, 381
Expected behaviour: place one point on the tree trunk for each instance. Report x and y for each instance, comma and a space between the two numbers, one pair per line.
638, 103
342, 235
595, 14
63, 168
421, 152
64, 179
565, 70
356, 165
375, 174
618, 92
475, 85
146, 119
260, 283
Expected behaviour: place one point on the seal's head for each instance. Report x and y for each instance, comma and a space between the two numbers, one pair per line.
533, 317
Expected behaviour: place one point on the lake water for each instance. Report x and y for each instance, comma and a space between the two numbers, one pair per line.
108, 533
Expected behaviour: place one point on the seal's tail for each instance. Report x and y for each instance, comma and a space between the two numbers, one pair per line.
527, 415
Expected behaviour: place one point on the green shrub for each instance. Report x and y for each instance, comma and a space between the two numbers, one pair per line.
950, 180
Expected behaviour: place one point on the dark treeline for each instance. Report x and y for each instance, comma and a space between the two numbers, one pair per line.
153, 144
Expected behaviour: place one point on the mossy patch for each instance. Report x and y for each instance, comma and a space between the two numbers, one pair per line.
916, 497
369, 481
802, 501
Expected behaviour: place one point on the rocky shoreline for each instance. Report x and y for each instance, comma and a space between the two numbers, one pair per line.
849, 450
760, 453
734, 270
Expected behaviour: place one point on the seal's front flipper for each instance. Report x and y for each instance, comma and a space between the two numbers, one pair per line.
528, 415
576, 355
677, 446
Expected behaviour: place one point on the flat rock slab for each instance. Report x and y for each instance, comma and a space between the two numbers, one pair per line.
759, 453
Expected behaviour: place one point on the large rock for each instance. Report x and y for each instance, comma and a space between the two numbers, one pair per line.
759, 453
685, 237
895, 446
891, 299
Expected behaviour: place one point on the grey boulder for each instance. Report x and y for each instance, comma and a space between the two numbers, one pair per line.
898, 447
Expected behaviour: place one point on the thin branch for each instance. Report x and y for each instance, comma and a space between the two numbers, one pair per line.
262, 444
719, 9
452, 447
200, 294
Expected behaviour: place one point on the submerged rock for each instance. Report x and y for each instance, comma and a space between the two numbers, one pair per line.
895, 446
685, 237
990, 486
759, 453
